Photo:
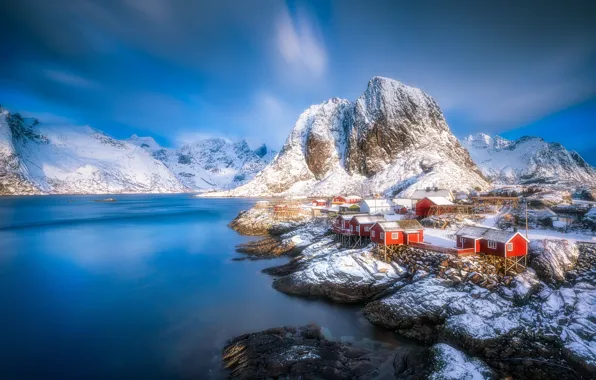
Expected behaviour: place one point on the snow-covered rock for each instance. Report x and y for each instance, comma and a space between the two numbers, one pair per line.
551, 259
447, 363
74, 160
342, 276
393, 138
528, 160
209, 164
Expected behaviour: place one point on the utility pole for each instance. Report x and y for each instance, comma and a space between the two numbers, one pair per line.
526, 201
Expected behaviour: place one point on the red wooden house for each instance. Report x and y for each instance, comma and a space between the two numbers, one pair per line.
360, 225
397, 232
423, 206
341, 225
492, 241
352, 199
318, 203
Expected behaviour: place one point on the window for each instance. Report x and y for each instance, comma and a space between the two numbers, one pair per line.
366, 229
358, 229
510, 246
382, 236
395, 235
492, 244
372, 233
462, 240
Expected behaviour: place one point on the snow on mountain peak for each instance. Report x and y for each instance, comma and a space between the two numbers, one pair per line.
393, 138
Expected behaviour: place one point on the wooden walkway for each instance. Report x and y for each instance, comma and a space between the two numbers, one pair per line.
437, 248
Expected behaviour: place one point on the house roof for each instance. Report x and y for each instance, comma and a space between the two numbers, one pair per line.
409, 224
440, 201
376, 203
368, 219
389, 226
400, 225
487, 233
349, 205
421, 194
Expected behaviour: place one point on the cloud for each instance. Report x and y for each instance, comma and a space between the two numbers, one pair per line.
299, 43
70, 79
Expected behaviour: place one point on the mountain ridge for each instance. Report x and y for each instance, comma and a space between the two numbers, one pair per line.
37, 159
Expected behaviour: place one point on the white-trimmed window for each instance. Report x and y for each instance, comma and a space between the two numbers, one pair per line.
395, 235
492, 244
366, 229
382, 236
358, 229
510, 246
372, 233
462, 240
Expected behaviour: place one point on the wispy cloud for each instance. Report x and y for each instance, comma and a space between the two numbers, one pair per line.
299, 42
70, 79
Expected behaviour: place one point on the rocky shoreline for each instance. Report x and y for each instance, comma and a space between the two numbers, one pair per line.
539, 324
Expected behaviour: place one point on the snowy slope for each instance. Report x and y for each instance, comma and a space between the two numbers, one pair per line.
528, 160
393, 138
76, 160
208, 164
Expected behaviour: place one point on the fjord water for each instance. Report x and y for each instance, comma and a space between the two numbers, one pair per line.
144, 287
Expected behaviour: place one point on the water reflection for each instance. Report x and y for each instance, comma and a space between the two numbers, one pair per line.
143, 287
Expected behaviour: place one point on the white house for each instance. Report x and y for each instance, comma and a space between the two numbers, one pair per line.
376, 206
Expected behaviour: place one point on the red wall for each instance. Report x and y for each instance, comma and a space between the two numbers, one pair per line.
377, 237
354, 224
423, 206
520, 246
339, 199
468, 243
389, 240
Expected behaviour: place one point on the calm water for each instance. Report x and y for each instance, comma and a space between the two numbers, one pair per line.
144, 287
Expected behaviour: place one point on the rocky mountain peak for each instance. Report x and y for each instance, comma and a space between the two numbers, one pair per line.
393, 137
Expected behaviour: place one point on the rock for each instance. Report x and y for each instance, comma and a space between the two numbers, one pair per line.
447, 363
300, 353
266, 248
259, 221
342, 276
551, 259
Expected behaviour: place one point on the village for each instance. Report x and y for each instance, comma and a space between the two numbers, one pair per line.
436, 220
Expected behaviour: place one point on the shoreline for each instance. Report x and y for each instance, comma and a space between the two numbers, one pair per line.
450, 300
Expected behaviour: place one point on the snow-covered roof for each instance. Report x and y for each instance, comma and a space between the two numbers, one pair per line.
440, 201
473, 232
376, 203
402, 202
421, 194
400, 225
368, 219
409, 224
487, 233
389, 226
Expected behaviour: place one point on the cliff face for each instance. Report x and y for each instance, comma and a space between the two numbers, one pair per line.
393, 138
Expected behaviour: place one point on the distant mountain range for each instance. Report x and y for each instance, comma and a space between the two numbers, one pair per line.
392, 140
36, 159
528, 160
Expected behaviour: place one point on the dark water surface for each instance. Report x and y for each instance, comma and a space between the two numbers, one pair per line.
141, 288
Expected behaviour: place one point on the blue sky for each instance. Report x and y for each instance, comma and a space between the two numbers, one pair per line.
181, 70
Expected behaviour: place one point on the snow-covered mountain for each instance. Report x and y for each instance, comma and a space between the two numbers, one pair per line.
212, 163
528, 160
393, 138
38, 159
74, 160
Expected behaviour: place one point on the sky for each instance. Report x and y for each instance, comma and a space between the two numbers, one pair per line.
180, 70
